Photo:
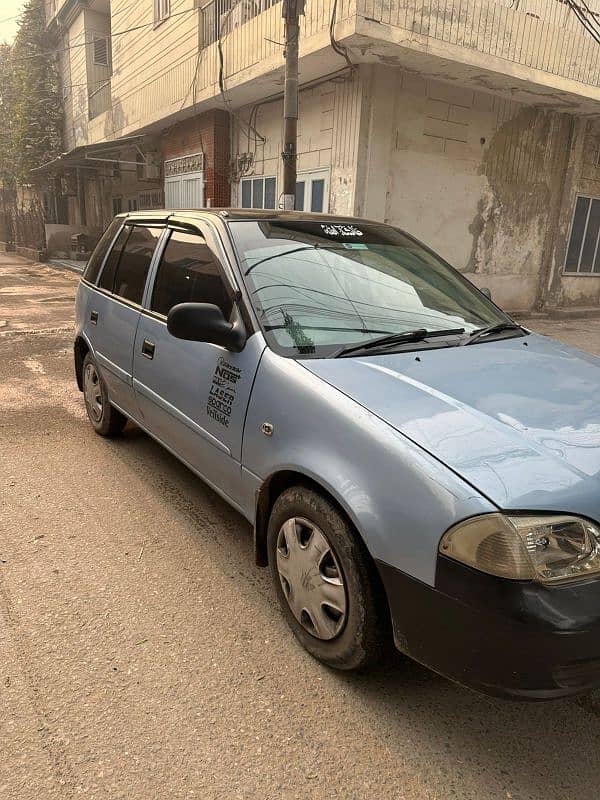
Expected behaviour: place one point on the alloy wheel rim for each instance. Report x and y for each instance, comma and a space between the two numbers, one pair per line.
92, 392
311, 578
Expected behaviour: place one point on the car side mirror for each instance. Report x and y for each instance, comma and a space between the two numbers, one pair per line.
485, 291
205, 322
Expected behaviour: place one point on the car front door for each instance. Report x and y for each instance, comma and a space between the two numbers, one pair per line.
193, 396
113, 310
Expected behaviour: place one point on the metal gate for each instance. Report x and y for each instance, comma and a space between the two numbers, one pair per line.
185, 191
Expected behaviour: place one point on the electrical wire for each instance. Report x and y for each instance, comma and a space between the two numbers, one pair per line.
340, 49
592, 27
106, 36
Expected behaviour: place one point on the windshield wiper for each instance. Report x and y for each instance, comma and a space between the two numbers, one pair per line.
285, 253
417, 335
491, 329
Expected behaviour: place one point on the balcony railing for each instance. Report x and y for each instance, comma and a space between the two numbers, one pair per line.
542, 34
220, 17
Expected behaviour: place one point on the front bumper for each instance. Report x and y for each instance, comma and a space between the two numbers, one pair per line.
506, 638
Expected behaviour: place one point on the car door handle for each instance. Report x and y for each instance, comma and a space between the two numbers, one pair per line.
148, 348
94, 317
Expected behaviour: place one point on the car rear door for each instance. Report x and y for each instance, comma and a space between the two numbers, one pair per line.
193, 396
114, 309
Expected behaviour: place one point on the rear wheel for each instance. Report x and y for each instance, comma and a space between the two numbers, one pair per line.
325, 581
105, 419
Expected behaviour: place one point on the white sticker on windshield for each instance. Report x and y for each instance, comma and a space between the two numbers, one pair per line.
341, 230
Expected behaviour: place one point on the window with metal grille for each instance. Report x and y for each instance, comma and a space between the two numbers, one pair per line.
101, 51
162, 10
583, 253
258, 192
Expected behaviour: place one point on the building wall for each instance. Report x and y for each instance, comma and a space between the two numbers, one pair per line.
153, 67
581, 176
209, 134
327, 139
475, 176
478, 178
76, 79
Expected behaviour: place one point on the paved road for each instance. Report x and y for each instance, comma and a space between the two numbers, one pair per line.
141, 652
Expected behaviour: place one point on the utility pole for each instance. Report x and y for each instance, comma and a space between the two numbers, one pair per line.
291, 13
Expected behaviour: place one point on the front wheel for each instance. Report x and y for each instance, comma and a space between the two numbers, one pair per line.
105, 419
326, 581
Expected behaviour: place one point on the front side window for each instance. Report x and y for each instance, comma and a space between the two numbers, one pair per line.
189, 273
134, 263
317, 287
94, 265
258, 192
583, 252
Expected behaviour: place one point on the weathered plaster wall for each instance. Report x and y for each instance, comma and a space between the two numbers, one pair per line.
477, 177
582, 176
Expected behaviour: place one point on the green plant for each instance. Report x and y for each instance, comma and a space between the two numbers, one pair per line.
31, 117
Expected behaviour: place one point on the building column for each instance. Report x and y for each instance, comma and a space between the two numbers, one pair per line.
380, 85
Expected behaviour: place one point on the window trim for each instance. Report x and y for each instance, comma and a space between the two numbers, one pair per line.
577, 273
151, 269
111, 244
164, 243
162, 11
308, 175
252, 178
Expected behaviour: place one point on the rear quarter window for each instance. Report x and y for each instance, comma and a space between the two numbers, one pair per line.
94, 265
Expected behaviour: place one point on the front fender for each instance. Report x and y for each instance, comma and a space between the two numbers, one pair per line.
399, 497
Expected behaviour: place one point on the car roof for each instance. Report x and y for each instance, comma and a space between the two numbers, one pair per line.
237, 214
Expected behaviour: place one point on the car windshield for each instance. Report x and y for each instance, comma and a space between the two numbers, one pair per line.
321, 286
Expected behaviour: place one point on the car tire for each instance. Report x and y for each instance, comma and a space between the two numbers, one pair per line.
105, 419
351, 635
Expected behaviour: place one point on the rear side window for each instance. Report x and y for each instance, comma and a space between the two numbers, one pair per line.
107, 278
189, 273
97, 258
134, 263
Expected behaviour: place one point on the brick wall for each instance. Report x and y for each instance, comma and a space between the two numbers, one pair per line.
208, 133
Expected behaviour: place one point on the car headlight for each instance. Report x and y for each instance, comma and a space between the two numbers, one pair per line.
543, 548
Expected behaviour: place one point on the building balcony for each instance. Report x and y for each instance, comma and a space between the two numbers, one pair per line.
536, 49
533, 51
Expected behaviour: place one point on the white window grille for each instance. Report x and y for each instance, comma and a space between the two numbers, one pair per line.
312, 191
258, 192
583, 253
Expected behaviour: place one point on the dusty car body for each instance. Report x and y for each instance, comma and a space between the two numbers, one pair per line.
414, 463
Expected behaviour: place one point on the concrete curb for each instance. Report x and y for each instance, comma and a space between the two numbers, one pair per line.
58, 264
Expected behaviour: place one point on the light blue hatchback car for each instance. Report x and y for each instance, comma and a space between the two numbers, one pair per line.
416, 465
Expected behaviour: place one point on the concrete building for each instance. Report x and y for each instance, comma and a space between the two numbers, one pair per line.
473, 124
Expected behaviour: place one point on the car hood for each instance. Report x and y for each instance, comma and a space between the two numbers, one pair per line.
519, 418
